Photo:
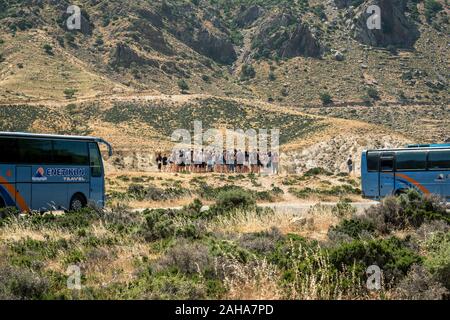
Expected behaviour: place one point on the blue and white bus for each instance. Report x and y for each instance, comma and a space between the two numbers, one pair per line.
425, 168
41, 172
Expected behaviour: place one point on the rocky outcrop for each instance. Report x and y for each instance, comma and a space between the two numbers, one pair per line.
154, 18
123, 56
287, 35
396, 28
247, 16
216, 46
149, 36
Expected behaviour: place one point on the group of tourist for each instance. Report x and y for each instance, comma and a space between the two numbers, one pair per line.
226, 161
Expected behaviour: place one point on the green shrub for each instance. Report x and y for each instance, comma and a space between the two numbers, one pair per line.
333, 191
159, 224
229, 250
343, 208
353, 228
373, 93
232, 200
272, 76
70, 93
411, 209
262, 243
392, 255
419, 284
206, 78
8, 213
326, 98
48, 49
182, 84
168, 285
69, 221
21, 284
153, 193
284, 253
32, 253
437, 259
187, 257
247, 72
432, 8
317, 171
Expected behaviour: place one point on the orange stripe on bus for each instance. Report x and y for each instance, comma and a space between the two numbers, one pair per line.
414, 182
12, 191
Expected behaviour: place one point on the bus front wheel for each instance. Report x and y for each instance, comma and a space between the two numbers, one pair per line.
2, 203
77, 202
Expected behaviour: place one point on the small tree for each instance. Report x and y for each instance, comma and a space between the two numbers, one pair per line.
272, 76
373, 93
206, 78
247, 72
432, 8
182, 84
48, 49
326, 98
70, 93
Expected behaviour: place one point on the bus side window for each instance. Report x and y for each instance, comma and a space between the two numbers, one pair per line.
373, 160
8, 150
387, 164
95, 160
439, 160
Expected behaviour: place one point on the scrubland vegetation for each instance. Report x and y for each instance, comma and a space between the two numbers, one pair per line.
233, 250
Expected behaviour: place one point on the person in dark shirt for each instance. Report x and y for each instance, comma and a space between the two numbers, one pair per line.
159, 161
350, 164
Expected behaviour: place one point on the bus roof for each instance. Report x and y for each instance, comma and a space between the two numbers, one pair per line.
436, 145
440, 147
48, 136
56, 136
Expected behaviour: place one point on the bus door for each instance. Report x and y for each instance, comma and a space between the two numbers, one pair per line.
439, 169
442, 181
371, 174
387, 174
23, 187
97, 183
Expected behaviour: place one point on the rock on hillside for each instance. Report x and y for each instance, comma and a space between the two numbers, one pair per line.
247, 16
397, 29
124, 56
287, 35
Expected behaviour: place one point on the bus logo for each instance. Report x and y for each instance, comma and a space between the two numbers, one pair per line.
39, 175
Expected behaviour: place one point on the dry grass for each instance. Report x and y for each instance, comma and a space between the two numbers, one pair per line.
319, 220
314, 224
16, 232
251, 222
256, 281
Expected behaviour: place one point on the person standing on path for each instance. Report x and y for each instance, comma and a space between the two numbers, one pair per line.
350, 164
